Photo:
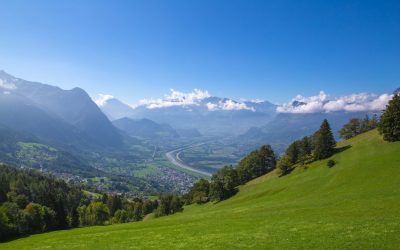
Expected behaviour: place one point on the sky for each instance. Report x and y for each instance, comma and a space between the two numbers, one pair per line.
271, 50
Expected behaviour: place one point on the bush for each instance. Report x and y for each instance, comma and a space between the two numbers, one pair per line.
331, 163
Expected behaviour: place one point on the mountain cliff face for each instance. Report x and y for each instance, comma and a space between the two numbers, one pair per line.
68, 107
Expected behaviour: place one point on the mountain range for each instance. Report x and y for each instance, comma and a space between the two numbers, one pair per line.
209, 115
54, 114
109, 136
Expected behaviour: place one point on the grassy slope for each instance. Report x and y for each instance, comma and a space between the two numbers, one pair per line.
355, 204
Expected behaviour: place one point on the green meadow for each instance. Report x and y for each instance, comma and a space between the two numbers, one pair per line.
353, 205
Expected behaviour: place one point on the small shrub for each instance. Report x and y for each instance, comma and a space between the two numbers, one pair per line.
331, 163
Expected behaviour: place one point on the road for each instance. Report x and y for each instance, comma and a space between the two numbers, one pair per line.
173, 157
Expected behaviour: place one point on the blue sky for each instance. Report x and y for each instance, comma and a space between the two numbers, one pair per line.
270, 50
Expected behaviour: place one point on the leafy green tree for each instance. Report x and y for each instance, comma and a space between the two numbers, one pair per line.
169, 204
120, 216
99, 213
50, 200
201, 186
40, 218
138, 211
285, 165
257, 163
224, 183
96, 213
389, 125
6, 229
200, 197
198, 193
176, 204
357, 126
353, 128
83, 215
324, 142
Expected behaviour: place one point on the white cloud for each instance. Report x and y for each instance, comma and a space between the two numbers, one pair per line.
212, 106
351, 103
102, 99
228, 105
252, 100
6, 85
194, 98
176, 98
310, 104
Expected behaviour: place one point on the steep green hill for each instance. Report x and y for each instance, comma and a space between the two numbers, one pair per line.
355, 204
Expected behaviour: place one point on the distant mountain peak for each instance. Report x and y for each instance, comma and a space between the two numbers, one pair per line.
113, 108
72, 106
298, 103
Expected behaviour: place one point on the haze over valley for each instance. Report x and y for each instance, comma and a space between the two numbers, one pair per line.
172, 124
162, 144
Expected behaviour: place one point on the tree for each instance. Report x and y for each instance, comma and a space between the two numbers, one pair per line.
324, 142
114, 203
120, 216
285, 166
198, 193
169, 204
389, 125
305, 149
40, 218
5, 228
96, 213
353, 128
61, 215
224, 183
257, 163
138, 211
292, 152
176, 205
268, 160
200, 197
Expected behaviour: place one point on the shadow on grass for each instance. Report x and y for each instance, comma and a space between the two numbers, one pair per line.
17, 237
288, 171
341, 149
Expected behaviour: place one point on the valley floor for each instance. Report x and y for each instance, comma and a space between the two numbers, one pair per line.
354, 205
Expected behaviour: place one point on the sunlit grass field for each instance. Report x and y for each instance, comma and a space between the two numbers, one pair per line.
354, 205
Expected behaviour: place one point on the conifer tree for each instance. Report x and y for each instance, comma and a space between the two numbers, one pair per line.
292, 152
389, 125
324, 142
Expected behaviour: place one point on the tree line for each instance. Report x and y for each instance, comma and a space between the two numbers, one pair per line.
357, 126
320, 145
33, 202
224, 182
